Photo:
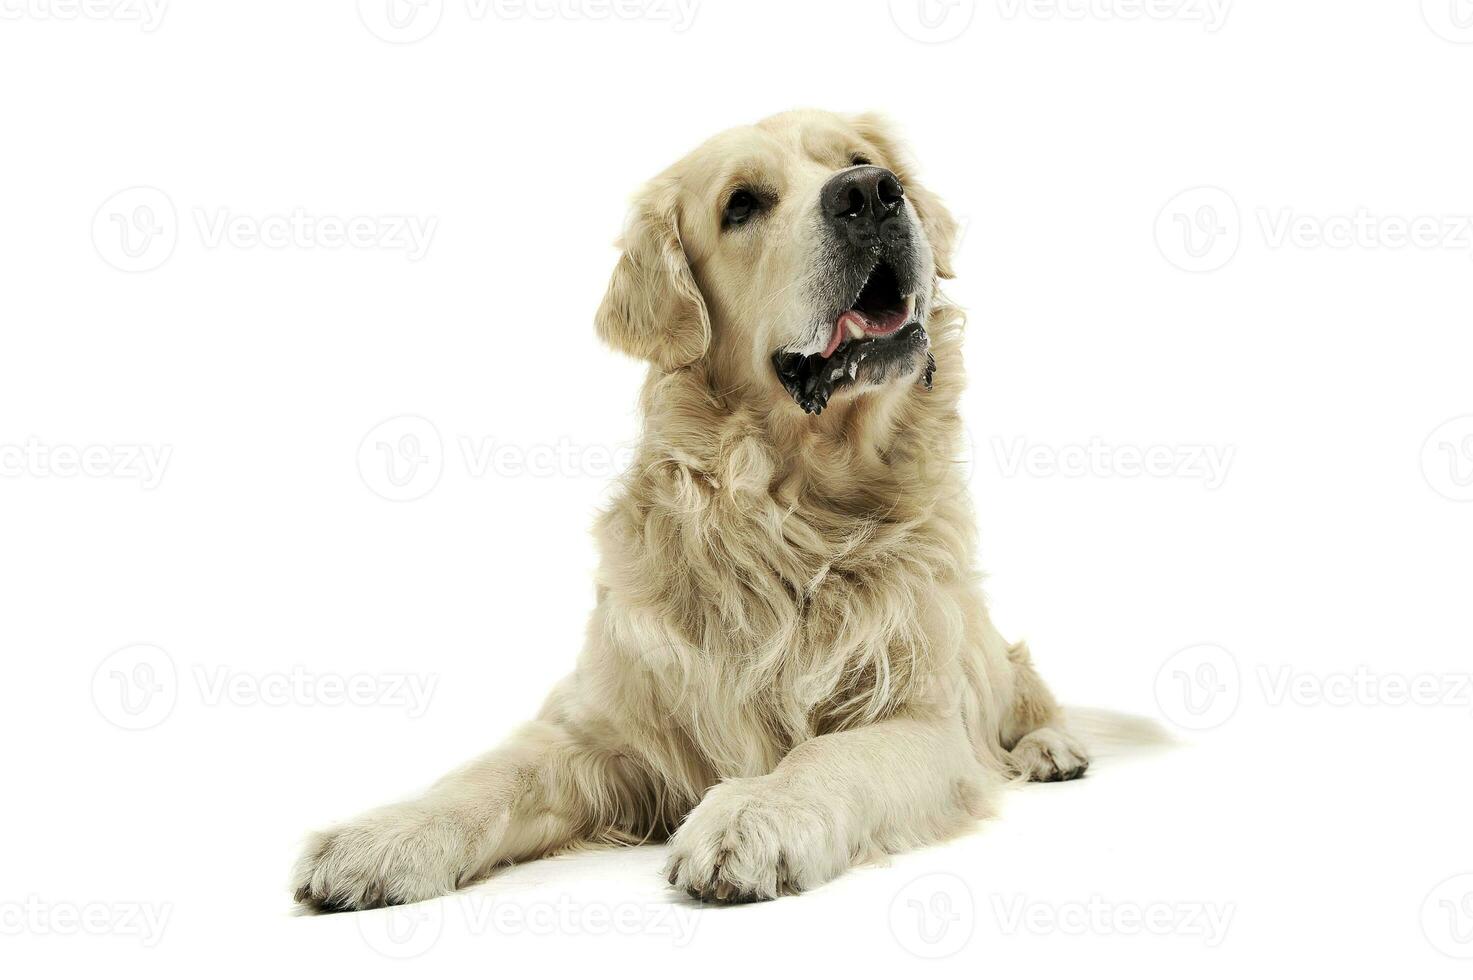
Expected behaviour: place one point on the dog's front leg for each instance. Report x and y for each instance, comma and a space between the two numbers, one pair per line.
540, 791
833, 801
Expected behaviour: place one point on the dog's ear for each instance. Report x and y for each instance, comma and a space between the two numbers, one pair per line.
653, 308
941, 228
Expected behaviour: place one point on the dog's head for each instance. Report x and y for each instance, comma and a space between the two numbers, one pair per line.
796, 258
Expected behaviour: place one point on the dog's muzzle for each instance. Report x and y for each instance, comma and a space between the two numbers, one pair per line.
874, 264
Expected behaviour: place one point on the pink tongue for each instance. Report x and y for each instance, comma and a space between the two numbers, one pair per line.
889, 325
841, 329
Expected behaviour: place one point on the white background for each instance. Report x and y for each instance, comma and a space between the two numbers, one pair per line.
1081, 146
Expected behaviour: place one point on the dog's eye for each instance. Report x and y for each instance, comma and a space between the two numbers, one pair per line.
859, 160
739, 207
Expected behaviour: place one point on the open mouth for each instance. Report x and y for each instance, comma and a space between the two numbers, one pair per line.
878, 311
878, 333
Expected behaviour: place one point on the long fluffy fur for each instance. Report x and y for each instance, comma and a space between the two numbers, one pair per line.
790, 667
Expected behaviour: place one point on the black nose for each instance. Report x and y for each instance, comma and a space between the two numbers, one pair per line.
862, 192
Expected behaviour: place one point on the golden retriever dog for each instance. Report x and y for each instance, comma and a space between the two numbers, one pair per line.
790, 668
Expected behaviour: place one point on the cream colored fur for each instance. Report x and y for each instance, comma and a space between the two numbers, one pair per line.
790, 668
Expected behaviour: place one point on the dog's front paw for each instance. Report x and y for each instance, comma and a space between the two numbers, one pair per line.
1047, 755
749, 841
392, 856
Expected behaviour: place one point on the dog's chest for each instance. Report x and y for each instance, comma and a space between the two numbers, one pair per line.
826, 624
